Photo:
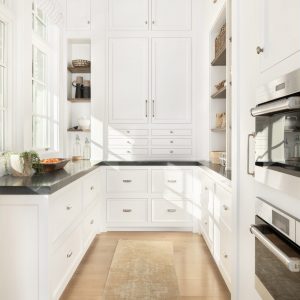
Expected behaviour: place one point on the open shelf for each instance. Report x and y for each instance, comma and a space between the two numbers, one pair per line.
220, 60
218, 129
78, 130
79, 70
79, 100
220, 94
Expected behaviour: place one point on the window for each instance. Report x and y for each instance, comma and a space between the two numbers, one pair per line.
3, 84
45, 108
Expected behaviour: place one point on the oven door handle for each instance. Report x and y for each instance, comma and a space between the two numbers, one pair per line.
292, 263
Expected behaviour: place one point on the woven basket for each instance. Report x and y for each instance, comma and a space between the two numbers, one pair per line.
220, 41
81, 63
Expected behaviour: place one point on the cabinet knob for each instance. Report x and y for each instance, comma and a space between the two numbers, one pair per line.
127, 180
128, 151
171, 132
172, 180
89, 22
225, 207
259, 50
225, 256
127, 210
205, 223
146, 22
92, 222
92, 188
69, 254
206, 188
171, 151
171, 142
128, 142
69, 207
171, 210
128, 131
153, 22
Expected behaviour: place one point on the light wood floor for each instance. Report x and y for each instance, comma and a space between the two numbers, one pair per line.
198, 276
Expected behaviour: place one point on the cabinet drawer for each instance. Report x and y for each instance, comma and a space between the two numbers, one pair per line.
89, 225
171, 132
178, 182
127, 132
127, 181
208, 230
127, 210
128, 151
64, 260
91, 188
128, 142
224, 201
171, 211
66, 207
171, 152
225, 250
171, 142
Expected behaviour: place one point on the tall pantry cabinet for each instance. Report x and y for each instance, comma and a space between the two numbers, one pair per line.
149, 89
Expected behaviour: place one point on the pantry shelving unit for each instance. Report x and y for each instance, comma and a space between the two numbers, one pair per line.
220, 100
77, 107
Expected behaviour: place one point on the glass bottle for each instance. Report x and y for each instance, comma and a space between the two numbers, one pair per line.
297, 147
77, 148
87, 149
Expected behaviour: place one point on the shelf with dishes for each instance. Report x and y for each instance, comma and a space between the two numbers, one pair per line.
219, 94
79, 100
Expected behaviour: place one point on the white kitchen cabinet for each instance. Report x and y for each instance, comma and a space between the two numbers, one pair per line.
171, 80
128, 15
171, 15
128, 80
78, 14
280, 31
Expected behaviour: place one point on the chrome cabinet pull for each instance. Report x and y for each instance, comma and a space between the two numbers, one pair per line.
225, 207
225, 256
292, 263
248, 154
127, 180
128, 142
153, 112
128, 151
153, 22
146, 22
127, 210
92, 222
172, 180
92, 188
171, 210
146, 114
69, 207
171, 151
69, 254
259, 50
128, 132
171, 142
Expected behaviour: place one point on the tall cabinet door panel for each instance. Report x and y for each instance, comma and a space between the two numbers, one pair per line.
128, 14
171, 14
78, 14
128, 80
280, 28
171, 80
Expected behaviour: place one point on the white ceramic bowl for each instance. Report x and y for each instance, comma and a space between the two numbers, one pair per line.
84, 124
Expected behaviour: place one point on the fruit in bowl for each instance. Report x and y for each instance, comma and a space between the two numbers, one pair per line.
52, 164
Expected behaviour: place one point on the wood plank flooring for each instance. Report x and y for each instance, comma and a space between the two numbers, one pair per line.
198, 276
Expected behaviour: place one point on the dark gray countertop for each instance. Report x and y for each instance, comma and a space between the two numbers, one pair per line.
46, 184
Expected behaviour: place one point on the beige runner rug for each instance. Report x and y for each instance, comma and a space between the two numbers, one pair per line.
142, 270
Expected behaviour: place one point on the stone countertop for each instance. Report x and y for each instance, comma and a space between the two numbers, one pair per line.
49, 183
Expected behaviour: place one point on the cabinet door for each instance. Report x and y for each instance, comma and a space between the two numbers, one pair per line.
128, 80
280, 29
171, 80
128, 14
171, 14
78, 14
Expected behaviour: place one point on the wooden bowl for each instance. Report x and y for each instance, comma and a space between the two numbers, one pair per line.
50, 167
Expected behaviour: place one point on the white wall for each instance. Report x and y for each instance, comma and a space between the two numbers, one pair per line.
244, 73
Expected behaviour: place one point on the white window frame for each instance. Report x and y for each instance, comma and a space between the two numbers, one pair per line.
52, 84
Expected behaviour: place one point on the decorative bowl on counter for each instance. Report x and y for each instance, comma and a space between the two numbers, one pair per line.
81, 63
52, 164
84, 123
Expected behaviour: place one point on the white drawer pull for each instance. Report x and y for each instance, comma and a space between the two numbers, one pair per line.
127, 210
69, 254
92, 188
127, 181
225, 207
172, 180
171, 210
69, 207
92, 222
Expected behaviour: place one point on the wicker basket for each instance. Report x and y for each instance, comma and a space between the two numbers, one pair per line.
220, 41
81, 63
215, 157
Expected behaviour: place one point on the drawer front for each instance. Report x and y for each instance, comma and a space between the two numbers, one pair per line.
127, 181
208, 230
171, 211
178, 182
90, 223
128, 151
225, 250
64, 260
128, 142
171, 142
127, 132
171, 132
127, 210
91, 188
225, 208
171, 151
67, 206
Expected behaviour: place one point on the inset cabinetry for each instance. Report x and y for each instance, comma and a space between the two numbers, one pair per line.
78, 14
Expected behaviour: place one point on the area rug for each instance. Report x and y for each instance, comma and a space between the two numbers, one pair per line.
142, 270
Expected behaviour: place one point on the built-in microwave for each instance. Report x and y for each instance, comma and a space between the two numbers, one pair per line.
277, 132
